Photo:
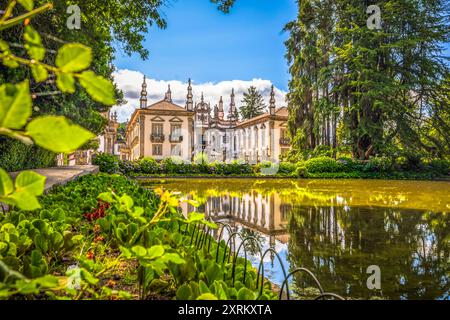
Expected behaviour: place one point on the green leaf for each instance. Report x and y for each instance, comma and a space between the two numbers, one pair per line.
30, 182
88, 277
174, 258
33, 44
106, 197
47, 281
6, 184
184, 292
213, 272
8, 62
73, 57
57, 134
4, 45
139, 251
27, 4
15, 105
155, 252
99, 88
66, 82
40, 74
203, 287
25, 200
245, 294
207, 296
126, 202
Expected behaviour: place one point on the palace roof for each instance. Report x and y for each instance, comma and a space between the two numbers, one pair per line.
279, 113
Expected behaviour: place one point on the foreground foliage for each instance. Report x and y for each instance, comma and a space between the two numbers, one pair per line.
104, 237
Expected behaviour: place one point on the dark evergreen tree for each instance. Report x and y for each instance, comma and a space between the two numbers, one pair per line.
252, 104
383, 88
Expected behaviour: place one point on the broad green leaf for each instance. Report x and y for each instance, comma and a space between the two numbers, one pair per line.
27, 287
213, 272
8, 62
88, 277
173, 257
4, 46
106, 196
126, 201
27, 4
99, 88
57, 134
203, 287
33, 44
184, 292
66, 82
126, 252
246, 294
25, 200
40, 74
15, 105
155, 252
73, 57
139, 251
195, 216
30, 182
47, 281
207, 296
6, 184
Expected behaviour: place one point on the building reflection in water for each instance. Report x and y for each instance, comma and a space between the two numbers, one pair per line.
267, 214
338, 235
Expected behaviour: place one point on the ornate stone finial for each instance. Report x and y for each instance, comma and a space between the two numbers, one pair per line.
189, 97
221, 113
168, 96
202, 99
272, 101
232, 112
216, 112
143, 99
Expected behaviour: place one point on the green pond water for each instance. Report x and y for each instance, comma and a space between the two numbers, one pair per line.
337, 229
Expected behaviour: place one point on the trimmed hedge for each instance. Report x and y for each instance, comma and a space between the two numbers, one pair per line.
321, 167
16, 156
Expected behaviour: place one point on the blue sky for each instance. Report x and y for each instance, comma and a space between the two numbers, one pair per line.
203, 43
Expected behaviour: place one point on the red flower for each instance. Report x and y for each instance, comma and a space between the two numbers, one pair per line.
99, 239
90, 255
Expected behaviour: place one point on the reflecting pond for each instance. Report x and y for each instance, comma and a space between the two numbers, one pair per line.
338, 228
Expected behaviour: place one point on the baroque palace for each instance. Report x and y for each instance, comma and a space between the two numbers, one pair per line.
164, 129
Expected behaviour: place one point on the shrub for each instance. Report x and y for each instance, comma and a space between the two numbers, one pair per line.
201, 158
287, 168
323, 164
241, 167
322, 151
107, 163
16, 156
379, 164
128, 167
440, 166
148, 166
300, 170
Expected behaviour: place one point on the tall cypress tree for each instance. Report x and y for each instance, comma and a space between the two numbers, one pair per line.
386, 85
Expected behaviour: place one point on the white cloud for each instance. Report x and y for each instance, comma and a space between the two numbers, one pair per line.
130, 83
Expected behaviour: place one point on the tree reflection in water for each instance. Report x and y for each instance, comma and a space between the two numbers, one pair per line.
337, 229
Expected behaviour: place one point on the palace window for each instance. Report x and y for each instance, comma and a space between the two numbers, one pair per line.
175, 150
157, 149
175, 133
157, 129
